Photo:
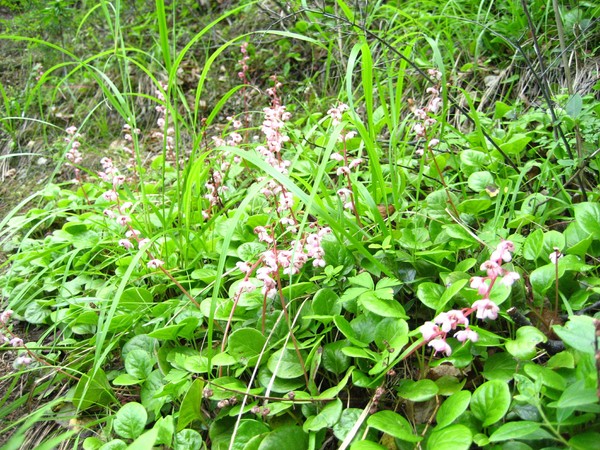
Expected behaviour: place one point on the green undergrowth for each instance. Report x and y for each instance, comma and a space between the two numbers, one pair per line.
361, 242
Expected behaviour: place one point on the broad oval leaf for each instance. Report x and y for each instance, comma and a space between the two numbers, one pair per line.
455, 437
490, 402
130, 420
452, 408
393, 424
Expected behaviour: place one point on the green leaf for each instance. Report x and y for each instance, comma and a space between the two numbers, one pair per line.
337, 254
474, 158
430, 295
524, 346
451, 291
514, 430
139, 364
363, 279
115, 444
578, 333
92, 389
347, 421
587, 216
276, 384
574, 106
284, 363
346, 329
391, 332
134, 299
36, 313
546, 376
516, 144
452, 408
191, 406
326, 418
417, 391
165, 429
393, 424
584, 441
126, 380
479, 181
325, 303
577, 395
532, 248
385, 308
130, 420
285, 437
247, 430
334, 359
500, 366
145, 441
455, 437
188, 440
490, 402
168, 333
246, 344
367, 445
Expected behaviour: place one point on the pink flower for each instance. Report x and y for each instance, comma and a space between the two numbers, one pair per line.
502, 252
434, 142
449, 320
109, 213
336, 157
421, 114
16, 342
343, 170
126, 243
555, 255
263, 235
111, 196
355, 163
71, 130
493, 269
243, 267
132, 233
479, 284
466, 335
6, 315
440, 346
155, 263
123, 220
143, 242
22, 361
245, 286
419, 130
429, 330
486, 309
509, 278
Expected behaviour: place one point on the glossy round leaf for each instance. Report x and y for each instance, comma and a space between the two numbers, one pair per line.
490, 402
130, 420
452, 408
455, 437
393, 424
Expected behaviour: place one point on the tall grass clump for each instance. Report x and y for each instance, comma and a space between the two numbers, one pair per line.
304, 226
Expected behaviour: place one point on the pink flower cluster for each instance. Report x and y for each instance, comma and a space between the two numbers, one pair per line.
8, 337
436, 331
242, 74
167, 132
425, 121
289, 262
345, 169
73, 155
